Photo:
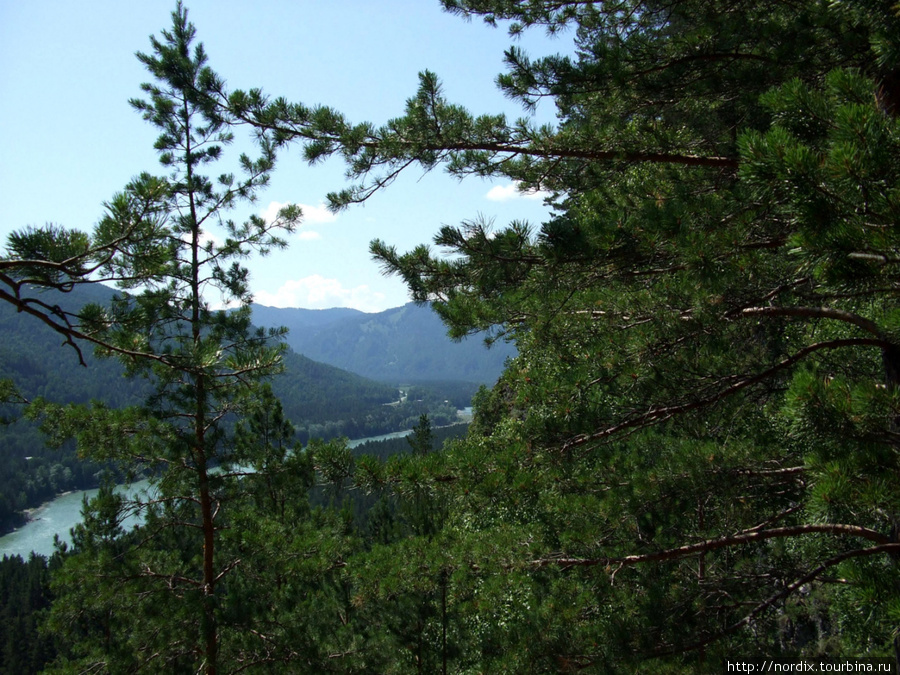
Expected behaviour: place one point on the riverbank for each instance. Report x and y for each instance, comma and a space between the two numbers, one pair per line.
61, 514
33, 513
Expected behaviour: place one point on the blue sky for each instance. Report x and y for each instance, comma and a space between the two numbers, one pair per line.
69, 140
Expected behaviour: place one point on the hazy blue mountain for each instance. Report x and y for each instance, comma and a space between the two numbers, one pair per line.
34, 356
320, 398
403, 344
297, 320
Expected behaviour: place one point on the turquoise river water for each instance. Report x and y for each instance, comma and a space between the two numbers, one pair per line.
59, 516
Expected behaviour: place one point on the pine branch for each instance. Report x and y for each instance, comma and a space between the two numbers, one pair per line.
891, 548
817, 313
657, 415
747, 537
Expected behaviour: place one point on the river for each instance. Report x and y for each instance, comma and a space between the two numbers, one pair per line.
60, 515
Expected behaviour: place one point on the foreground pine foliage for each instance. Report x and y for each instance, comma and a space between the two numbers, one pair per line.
694, 456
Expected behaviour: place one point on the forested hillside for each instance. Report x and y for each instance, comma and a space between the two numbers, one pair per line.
323, 401
35, 359
693, 461
298, 320
400, 345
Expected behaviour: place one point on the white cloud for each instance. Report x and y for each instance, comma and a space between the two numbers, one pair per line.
317, 292
317, 214
502, 193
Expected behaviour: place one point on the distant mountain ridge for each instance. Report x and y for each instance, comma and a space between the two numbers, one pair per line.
301, 319
399, 345
35, 358
321, 400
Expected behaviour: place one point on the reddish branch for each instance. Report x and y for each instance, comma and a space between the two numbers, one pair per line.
660, 414
788, 471
576, 153
64, 328
817, 313
891, 548
414, 149
713, 56
740, 539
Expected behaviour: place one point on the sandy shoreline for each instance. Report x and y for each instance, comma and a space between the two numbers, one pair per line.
34, 513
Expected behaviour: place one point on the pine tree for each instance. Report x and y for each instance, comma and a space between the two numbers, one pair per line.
704, 404
160, 590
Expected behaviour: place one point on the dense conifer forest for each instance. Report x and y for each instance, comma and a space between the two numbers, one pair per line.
692, 460
25, 592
